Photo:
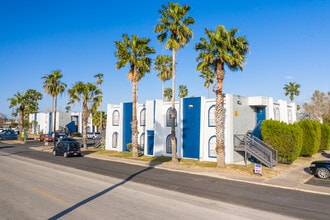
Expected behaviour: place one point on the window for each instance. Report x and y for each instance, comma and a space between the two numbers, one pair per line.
169, 144
142, 138
143, 117
290, 116
212, 116
115, 140
168, 117
276, 113
212, 146
115, 118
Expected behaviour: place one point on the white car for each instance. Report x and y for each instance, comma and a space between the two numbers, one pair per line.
93, 135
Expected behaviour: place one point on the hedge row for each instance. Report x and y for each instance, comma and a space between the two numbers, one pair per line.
303, 138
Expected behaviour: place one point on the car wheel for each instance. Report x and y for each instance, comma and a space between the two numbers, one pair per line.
65, 154
54, 153
323, 173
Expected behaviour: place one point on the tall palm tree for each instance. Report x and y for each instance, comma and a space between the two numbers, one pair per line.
183, 91
134, 52
86, 93
209, 79
292, 89
26, 102
219, 49
168, 94
96, 118
174, 29
99, 82
163, 64
53, 85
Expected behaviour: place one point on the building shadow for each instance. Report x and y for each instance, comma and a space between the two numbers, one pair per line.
7, 146
325, 154
307, 170
97, 195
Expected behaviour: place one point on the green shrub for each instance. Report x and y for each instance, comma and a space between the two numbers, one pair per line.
285, 138
325, 137
311, 137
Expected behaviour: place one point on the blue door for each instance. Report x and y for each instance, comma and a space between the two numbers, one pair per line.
150, 142
261, 114
191, 127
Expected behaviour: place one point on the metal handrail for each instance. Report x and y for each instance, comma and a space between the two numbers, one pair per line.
257, 148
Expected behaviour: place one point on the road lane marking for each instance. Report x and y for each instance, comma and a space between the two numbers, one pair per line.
52, 196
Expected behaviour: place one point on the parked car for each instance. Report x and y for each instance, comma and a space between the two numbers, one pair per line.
93, 135
16, 130
58, 135
71, 139
46, 138
320, 168
67, 149
8, 134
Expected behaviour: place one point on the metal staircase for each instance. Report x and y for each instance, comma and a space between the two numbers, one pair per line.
255, 147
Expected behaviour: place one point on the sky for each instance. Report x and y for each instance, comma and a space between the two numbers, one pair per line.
289, 41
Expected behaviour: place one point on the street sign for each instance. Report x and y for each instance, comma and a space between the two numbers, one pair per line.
258, 168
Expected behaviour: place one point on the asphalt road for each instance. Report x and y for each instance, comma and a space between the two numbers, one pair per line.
275, 200
33, 189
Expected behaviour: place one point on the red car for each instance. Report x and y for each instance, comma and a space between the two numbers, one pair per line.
46, 138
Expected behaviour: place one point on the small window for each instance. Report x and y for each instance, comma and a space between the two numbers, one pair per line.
212, 116
115, 140
168, 117
141, 146
212, 147
290, 116
115, 118
169, 144
276, 113
143, 117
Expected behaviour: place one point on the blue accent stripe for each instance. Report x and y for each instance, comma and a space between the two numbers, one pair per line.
191, 127
127, 129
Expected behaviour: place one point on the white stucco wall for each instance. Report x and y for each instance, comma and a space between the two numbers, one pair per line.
240, 117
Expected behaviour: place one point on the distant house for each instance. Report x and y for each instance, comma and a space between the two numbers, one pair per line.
65, 121
195, 125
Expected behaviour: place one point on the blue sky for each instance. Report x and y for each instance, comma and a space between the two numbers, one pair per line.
289, 42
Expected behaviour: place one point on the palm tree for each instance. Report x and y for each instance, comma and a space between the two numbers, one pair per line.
54, 86
173, 28
292, 89
163, 64
209, 79
99, 82
168, 94
134, 52
85, 93
26, 103
183, 91
219, 49
96, 118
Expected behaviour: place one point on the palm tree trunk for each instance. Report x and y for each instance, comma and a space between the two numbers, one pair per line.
219, 118
21, 123
54, 119
85, 116
101, 119
134, 123
173, 113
